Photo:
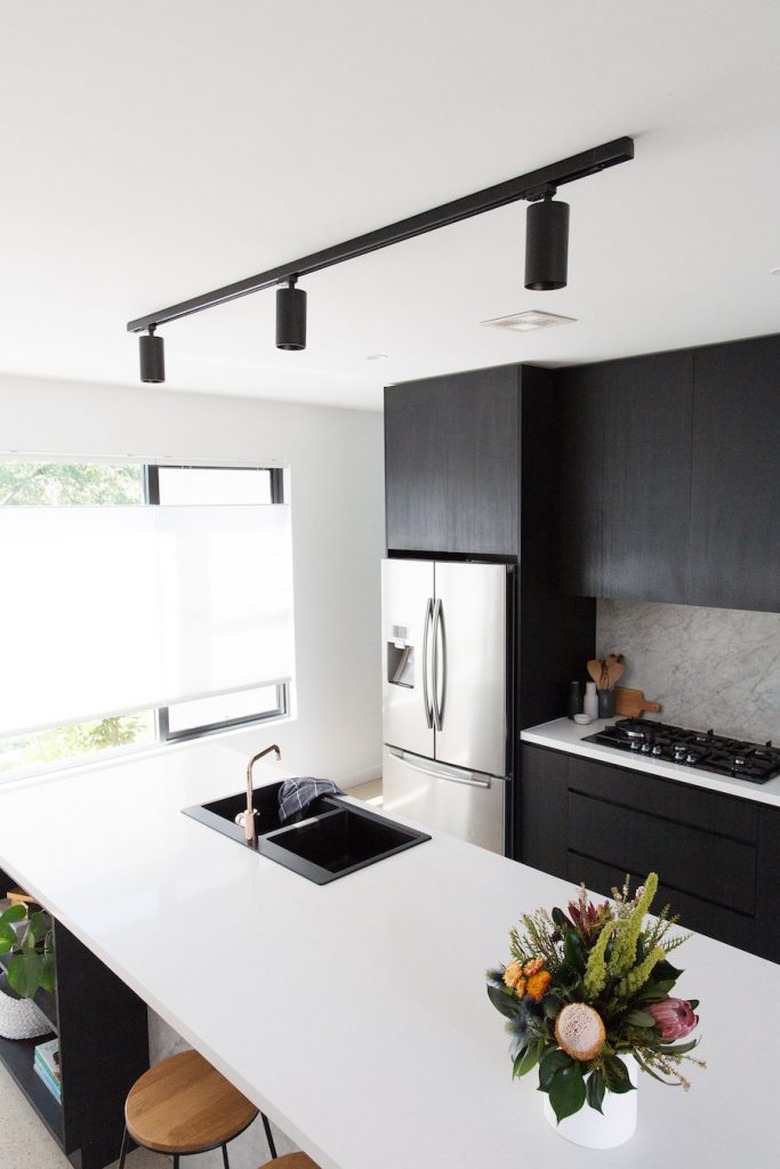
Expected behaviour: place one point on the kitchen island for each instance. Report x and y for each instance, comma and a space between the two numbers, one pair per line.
355, 1014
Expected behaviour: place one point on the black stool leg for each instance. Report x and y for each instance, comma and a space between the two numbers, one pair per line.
268, 1136
123, 1149
225, 1157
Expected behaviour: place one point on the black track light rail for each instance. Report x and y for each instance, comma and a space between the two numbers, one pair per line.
531, 186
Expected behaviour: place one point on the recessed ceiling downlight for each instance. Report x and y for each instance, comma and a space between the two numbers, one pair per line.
532, 319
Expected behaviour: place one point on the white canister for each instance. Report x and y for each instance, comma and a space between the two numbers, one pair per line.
590, 704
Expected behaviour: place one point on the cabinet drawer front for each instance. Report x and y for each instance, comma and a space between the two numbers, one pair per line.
725, 924
713, 868
681, 803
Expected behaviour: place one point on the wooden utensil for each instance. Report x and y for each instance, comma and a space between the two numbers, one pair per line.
631, 703
615, 669
594, 669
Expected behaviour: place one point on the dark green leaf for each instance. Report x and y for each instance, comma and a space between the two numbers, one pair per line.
560, 918
25, 973
567, 1091
574, 951
639, 1019
551, 1005
551, 1065
504, 1001
679, 1048
13, 913
665, 970
596, 1087
49, 973
662, 988
7, 938
528, 1059
40, 924
616, 1075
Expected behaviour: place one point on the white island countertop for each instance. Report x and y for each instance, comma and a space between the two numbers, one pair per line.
355, 1013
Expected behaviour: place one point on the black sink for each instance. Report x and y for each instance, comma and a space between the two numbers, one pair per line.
335, 839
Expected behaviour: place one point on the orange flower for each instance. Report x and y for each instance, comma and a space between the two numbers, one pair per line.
532, 966
514, 974
537, 985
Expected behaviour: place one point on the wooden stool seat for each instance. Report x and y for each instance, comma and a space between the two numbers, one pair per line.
183, 1105
291, 1161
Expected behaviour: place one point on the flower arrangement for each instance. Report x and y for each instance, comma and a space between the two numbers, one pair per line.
588, 988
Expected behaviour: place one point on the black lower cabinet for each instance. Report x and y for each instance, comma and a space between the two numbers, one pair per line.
717, 856
103, 1042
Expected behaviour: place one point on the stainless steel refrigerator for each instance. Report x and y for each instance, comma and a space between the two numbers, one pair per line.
446, 667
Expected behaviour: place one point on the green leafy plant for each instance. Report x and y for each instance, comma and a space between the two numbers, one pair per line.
31, 966
589, 987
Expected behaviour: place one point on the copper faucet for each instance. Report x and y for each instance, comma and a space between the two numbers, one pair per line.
250, 831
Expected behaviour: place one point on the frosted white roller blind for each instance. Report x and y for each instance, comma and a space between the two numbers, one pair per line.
110, 609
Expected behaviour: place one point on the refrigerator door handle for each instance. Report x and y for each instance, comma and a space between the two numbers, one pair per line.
439, 665
441, 771
427, 703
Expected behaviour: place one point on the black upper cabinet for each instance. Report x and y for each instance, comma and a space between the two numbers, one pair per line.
735, 535
583, 393
647, 439
451, 459
626, 477
472, 468
669, 477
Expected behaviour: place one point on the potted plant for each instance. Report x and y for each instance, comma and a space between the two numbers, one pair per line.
30, 968
587, 999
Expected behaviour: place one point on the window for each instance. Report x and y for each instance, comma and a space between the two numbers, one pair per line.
140, 603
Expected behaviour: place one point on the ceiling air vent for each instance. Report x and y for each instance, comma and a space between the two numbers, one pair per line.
533, 319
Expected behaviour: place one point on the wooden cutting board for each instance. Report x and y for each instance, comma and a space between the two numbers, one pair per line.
632, 703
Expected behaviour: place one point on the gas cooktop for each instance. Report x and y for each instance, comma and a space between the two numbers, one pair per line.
702, 749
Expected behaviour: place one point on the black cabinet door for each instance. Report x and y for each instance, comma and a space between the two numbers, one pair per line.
541, 796
451, 463
717, 856
646, 485
625, 477
735, 490
583, 393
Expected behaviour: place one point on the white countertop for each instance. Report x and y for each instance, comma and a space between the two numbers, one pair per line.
563, 734
355, 1013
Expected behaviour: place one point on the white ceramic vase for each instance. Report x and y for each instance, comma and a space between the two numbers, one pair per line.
613, 1126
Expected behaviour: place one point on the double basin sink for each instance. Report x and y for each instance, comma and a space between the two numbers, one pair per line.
335, 838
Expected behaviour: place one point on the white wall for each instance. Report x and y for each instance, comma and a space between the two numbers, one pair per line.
336, 468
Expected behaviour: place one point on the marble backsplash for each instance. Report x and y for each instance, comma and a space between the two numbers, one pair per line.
716, 668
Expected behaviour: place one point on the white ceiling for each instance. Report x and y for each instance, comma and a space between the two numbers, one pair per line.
154, 150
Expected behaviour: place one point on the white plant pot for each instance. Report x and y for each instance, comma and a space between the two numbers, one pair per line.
613, 1126
21, 1018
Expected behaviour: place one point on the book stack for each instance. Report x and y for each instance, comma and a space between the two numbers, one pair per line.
47, 1065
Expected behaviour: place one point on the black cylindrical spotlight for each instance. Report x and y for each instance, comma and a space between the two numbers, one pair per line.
152, 350
290, 317
546, 245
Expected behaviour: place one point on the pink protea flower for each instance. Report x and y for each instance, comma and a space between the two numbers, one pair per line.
674, 1018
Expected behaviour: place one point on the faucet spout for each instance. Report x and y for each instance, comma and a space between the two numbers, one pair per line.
250, 831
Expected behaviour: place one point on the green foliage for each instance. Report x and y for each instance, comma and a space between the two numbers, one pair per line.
59, 484
31, 967
73, 740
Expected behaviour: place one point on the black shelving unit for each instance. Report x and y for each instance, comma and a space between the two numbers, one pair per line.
103, 1032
